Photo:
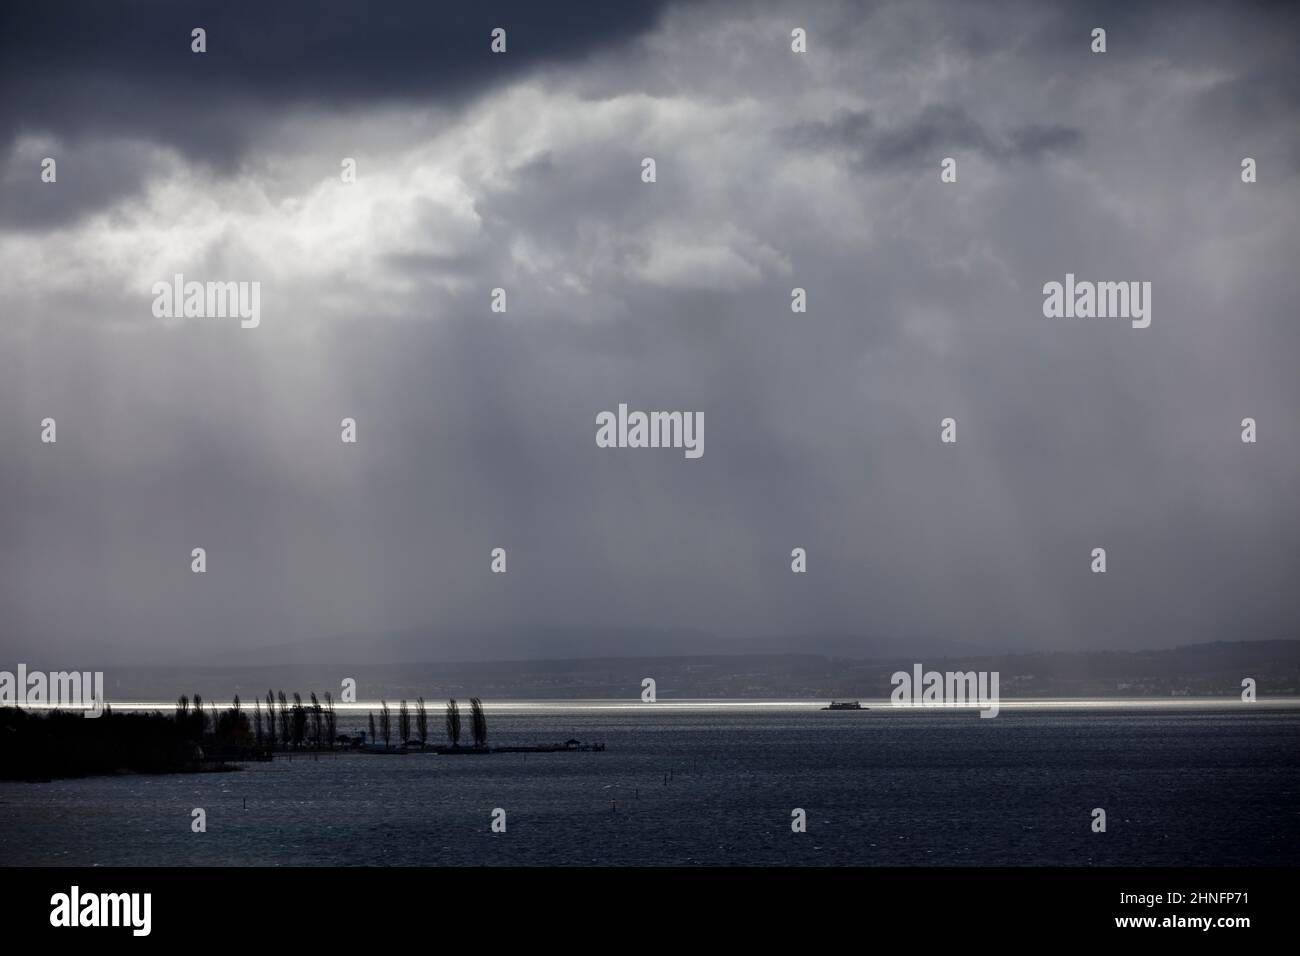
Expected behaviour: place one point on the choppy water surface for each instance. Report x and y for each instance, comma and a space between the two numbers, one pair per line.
716, 785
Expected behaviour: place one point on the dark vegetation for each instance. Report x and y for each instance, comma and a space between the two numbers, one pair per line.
194, 738
35, 746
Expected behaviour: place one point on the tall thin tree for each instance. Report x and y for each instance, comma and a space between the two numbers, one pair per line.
478, 722
421, 721
299, 721
286, 730
316, 724
403, 724
385, 723
331, 725
453, 722
270, 718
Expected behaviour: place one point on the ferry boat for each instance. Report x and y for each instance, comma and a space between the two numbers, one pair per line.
845, 705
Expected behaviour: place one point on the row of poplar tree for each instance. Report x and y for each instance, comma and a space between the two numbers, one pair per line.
478, 724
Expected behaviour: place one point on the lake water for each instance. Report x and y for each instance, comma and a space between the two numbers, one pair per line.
1179, 786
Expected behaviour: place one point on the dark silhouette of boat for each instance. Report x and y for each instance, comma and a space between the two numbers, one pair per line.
845, 705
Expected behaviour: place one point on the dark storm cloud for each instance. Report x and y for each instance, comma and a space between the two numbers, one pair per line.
54, 55
81, 71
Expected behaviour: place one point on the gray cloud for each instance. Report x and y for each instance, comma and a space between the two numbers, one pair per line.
936, 131
93, 175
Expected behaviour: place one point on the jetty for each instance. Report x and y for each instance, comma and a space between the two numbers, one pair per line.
569, 746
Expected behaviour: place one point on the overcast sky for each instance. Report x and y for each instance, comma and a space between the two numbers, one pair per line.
523, 171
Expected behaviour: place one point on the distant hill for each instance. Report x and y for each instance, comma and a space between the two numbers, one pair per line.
1214, 669
422, 645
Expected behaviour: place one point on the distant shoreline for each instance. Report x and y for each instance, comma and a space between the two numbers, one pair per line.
876, 705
